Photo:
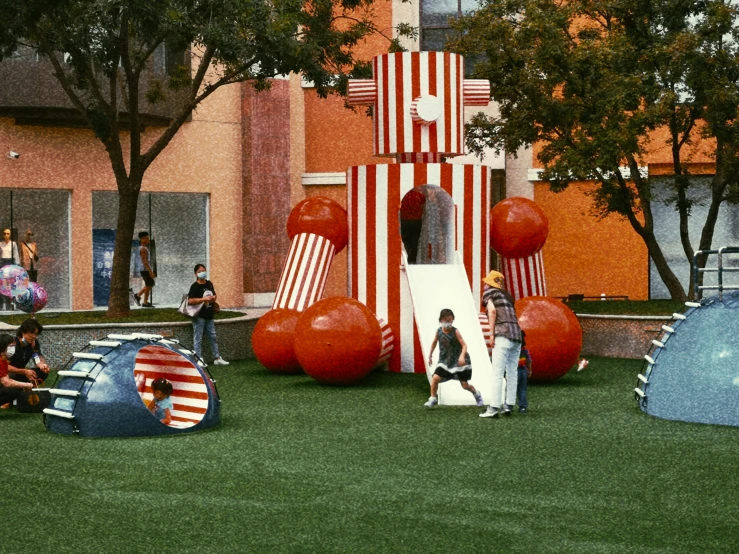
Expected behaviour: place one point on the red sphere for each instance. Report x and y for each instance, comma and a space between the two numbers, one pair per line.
553, 336
518, 228
338, 341
273, 341
322, 217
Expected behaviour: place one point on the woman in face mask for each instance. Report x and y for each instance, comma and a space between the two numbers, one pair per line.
9, 388
203, 292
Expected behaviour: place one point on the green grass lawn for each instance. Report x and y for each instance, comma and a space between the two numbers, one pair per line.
298, 467
627, 307
138, 315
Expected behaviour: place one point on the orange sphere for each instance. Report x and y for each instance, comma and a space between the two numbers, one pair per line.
553, 336
338, 341
273, 341
322, 217
518, 228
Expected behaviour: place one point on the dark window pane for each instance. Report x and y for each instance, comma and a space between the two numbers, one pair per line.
469, 6
438, 12
433, 40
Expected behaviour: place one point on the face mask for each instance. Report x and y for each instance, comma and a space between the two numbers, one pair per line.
10, 351
447, 325
202, 275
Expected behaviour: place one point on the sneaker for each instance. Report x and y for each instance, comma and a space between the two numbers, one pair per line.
220, 361
490, 412
136, 298
433, 401
5, 406
507, 410
478, 399
522, 410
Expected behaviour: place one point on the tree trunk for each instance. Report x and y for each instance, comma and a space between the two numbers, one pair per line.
663, 268
119, 301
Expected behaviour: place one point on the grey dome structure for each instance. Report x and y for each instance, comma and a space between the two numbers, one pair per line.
691, 372
104, 390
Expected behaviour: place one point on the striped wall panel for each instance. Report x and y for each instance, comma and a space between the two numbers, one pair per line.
388, 341
525, 276
303, 278
374, 193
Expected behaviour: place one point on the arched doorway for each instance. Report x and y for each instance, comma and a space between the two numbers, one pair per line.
426, 217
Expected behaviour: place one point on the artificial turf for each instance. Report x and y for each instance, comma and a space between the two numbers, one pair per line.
298, 467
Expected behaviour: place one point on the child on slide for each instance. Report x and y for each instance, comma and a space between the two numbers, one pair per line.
454, 361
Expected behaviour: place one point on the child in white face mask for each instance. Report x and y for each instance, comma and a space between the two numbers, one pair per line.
454, 361
9, 388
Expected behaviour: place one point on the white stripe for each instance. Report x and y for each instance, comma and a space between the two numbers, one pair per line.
441, 145
407, 84
188, 415
452, 147
381, 240
188, 372
380, 145
292, 270
361, 294
543, 273
192, 402
433, 174
181, 424
424, 79
477, 242
350, 184
324, 269
460, 104
391, 108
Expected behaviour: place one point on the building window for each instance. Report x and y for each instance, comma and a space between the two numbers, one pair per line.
435, 20
44, 213
178, 224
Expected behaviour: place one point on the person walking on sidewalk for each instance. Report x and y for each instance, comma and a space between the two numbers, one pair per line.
143, 265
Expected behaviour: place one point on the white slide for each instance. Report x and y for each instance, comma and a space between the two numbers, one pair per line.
433, 288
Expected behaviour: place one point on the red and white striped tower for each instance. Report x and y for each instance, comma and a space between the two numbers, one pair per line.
525, 276
418, 100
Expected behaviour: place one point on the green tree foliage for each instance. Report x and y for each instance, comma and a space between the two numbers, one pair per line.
101, 52
591, 81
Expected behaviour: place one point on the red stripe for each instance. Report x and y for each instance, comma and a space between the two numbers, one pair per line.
393, 260
448, 108
165, 362
433, 142
185, 419
420, 174
309, 254
191, 409
399, 111
354, 184
469, 179
295, 261
283, 275
529, 283
386, 112
415, 93
484, 227
519, 279
371, 259
177, 393
174, 377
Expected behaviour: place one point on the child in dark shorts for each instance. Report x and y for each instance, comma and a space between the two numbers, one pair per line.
454, 361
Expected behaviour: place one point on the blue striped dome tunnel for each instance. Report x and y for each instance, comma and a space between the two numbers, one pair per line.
104, 391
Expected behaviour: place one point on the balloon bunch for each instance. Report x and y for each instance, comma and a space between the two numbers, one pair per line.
28, 296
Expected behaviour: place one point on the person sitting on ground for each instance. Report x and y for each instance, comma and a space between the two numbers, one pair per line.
161, 405
10, 389
27, 348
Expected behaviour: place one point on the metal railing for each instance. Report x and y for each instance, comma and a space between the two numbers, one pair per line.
698, 289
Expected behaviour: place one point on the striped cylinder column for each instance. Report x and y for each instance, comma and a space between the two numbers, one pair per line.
525, 276
303, 278
374, 193
388, 341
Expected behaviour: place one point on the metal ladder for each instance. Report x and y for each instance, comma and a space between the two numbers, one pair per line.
720, 269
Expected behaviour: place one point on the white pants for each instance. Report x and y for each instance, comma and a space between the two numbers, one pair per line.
505, 363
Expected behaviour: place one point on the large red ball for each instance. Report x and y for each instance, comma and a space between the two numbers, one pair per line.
553, 336
518, 228
322, 217
338, 341
273, 341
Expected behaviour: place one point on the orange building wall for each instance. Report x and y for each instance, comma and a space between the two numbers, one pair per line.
584, 255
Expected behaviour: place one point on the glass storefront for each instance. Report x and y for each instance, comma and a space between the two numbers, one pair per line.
178, 225
45, 213
667, 225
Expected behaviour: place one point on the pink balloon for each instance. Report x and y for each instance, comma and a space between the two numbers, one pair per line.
13, 280
31, 300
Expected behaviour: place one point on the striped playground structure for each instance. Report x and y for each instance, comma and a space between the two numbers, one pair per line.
525, 276
103, 390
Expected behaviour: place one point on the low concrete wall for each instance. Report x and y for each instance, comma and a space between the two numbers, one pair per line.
234, 337
619, 336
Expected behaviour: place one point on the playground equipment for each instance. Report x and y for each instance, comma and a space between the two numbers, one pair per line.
691, 371
103, 391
